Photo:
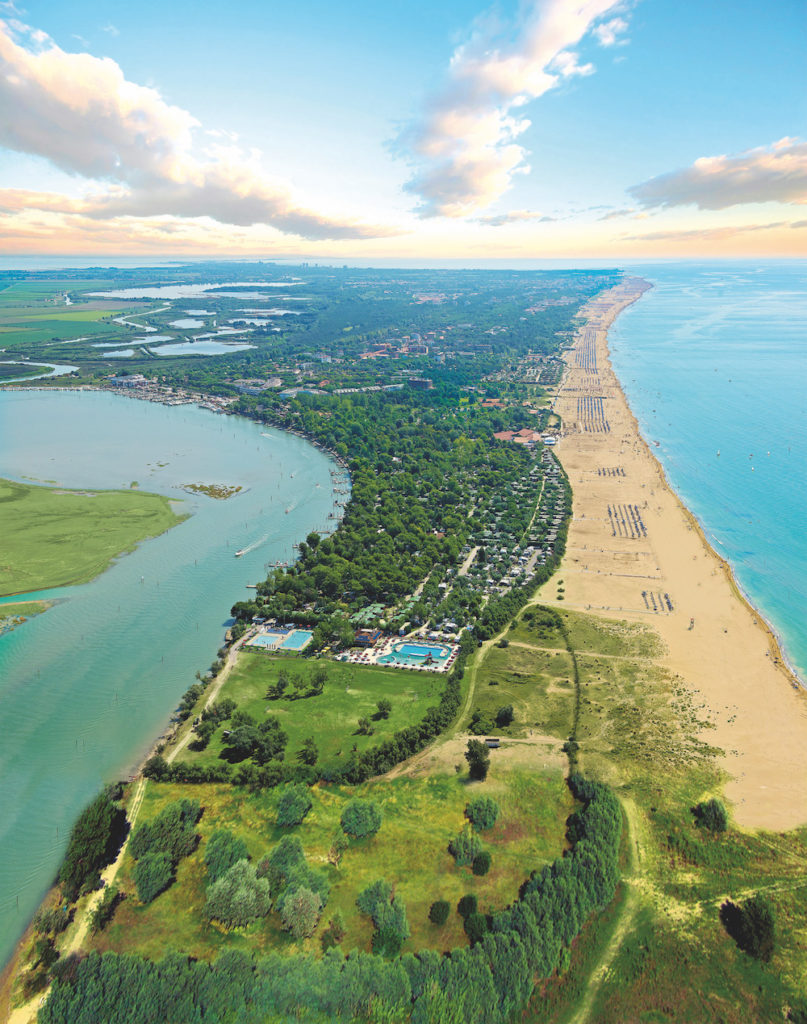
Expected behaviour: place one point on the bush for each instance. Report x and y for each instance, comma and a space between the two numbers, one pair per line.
334, 933
53, 919
482, 813
711, 815
300, 912
171, 832
478, 757
438, 912
153, 873
384, 708
465, 847
238, 897
481, 724
222, 851
467, 905
481, 864
294, 803
360, 819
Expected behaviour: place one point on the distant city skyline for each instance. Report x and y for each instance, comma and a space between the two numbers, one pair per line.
533, 130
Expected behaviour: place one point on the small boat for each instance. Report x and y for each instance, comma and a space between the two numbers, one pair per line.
239, 553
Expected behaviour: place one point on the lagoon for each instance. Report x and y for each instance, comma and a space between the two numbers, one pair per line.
86, 687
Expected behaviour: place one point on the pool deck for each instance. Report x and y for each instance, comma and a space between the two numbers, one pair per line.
385, 646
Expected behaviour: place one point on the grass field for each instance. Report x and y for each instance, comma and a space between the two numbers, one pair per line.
53, 537
351, 692
410, 850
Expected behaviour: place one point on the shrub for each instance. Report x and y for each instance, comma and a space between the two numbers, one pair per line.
153, 873
360, 819
105, 909
238, 897
171, 832
467, 905
711, 815
465, 847
300, 912
482, 813
438, 912
334, 933
294, 803
478, 757
384, 708
481, 864
481, 724
53, 919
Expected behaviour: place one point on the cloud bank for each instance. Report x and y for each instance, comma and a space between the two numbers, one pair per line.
776, 173
82, 114
465, 143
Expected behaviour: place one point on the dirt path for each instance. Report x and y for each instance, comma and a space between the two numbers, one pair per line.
636, 856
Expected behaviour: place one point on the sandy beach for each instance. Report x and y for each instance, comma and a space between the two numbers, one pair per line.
635, 552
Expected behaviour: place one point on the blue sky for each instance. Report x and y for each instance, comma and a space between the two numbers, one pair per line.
552, 128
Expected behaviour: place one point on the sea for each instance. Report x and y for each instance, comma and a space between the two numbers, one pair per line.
713, 361
86, 687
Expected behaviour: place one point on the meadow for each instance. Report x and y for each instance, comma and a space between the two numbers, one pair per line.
54, 537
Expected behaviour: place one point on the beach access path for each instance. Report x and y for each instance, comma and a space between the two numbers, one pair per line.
635, 552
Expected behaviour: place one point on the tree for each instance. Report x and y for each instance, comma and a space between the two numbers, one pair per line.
334, 933
384, 708
467, 905
389, 917
360, 819
152, 874
238, 897
711, 815
482, 813
93, 842
481, 863
438, 912
365, 727
478, 757
338, 846
308, 753
752, 926
300, 912
222, 850
105, 909
293, 805
476, 927
505, 715
465, 847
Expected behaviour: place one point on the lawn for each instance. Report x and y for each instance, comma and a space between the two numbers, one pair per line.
420, 816
54, 537
350, 692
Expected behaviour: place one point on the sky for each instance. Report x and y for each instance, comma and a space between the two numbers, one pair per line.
537, 129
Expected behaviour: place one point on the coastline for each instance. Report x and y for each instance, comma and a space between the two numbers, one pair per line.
729, 657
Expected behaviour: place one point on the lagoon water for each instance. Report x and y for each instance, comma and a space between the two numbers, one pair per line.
87, 686
714, 360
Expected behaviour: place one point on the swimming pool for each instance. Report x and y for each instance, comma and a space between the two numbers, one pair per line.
294, 641
407, 653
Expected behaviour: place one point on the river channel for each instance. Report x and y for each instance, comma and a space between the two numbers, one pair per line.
87, 686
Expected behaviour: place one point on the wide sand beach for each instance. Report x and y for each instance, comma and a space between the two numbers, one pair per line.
635, 552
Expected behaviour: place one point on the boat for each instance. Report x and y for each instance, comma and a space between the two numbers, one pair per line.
239, 553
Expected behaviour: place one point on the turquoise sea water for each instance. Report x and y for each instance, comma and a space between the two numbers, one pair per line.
86, 687
714, 359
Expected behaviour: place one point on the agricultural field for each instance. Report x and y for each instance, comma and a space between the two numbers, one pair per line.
55, 537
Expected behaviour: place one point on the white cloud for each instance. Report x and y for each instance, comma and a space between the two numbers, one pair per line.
82, 114
110, 29
609, 33
513, 217
776, 173
466, 142
705, 234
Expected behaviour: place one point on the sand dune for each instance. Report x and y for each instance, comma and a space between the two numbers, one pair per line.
635, 552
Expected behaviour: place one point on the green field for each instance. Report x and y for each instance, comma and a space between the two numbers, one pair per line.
420, 816
54, 537
351, 692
